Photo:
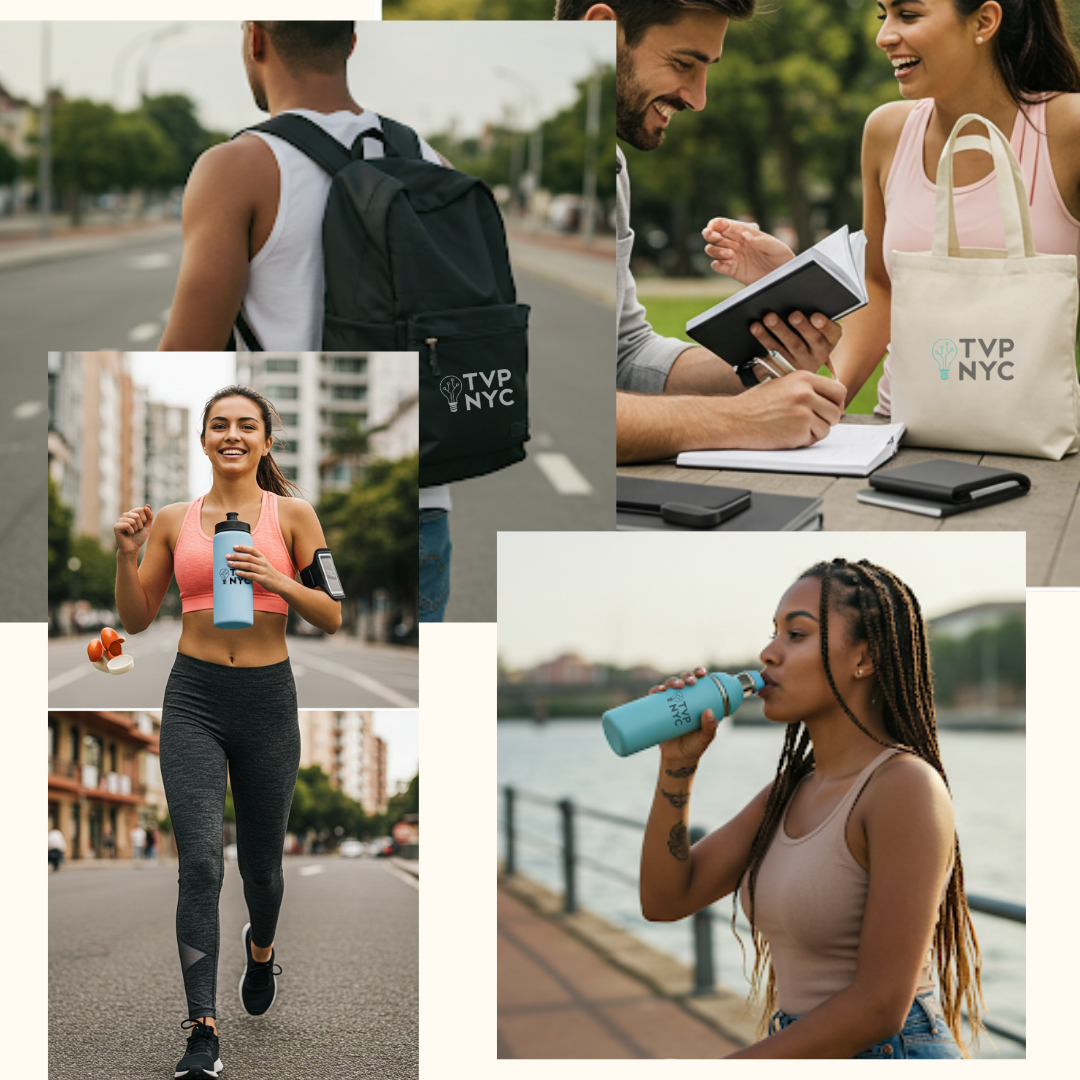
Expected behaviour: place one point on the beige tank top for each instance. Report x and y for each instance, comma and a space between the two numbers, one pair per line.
810, 898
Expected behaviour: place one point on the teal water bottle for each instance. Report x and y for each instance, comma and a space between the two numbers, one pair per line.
234, 596
657, 717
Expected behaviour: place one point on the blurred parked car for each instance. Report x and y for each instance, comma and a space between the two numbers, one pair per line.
383, 846
351, 849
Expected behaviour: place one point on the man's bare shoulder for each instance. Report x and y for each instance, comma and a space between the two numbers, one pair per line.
242, 165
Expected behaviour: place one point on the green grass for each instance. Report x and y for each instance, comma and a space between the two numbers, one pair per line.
670, 314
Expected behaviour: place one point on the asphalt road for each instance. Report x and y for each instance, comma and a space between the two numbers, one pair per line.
347, 1001
572, 413
331, 673
98, 299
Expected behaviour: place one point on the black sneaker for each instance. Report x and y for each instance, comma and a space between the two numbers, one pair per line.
258, 987
201, 1060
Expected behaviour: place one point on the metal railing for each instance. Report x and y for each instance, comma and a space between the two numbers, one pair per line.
701, 922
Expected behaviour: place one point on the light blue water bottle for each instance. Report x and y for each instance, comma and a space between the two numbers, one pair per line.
234, 596
657, 717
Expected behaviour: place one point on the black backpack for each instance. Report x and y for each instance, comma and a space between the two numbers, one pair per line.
416, 261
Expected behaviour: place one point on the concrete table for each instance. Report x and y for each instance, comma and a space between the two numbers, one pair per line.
1050, 513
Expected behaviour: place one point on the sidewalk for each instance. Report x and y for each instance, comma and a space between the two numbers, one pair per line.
567, 261
577, 987
70, 243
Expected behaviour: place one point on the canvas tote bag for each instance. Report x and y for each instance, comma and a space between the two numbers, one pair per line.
984, 341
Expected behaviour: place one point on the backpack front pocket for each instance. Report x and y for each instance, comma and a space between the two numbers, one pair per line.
474, 400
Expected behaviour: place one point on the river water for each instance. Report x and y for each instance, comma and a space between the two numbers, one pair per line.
571, 759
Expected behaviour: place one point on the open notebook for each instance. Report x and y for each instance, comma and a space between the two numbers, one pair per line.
848, 450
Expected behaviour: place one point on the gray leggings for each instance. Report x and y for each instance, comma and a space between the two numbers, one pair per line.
215, 715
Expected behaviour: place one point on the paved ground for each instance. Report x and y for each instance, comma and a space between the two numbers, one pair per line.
331, 673
347, 1004
558, 998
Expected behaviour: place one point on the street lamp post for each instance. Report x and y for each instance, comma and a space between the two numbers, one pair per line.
592, 132
45, 137
536, 139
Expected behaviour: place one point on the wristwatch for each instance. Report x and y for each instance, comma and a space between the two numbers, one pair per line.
745, 371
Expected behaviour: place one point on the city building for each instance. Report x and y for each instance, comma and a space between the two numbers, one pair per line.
344, 745
321, 395
104, 780
164, 471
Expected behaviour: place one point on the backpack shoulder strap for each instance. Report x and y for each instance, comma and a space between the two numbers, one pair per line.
399, 140
308, 138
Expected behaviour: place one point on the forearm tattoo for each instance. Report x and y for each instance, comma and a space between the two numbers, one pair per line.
683, 773
678, 799
677, 842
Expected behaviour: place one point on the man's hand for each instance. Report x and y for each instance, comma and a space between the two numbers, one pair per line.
807, 344
743, 251
782, 414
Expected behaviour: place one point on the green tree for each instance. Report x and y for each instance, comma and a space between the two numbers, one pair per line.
145, 158
175, 115
404, 802
373, 532
318, 807
97, 572
565, 142
9, 165
60, 518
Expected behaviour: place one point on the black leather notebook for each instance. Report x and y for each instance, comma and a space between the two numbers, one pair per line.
941, 488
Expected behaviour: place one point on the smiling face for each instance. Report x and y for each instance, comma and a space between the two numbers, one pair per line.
932, 49
235, 436
796, 687
664, 74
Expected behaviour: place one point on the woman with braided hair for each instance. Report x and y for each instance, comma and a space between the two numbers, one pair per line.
847, 863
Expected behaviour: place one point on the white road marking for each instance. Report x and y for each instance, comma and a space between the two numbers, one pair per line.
28, 409
154, 260
70, 676
145, 331
365, 681
562, 474
409, 879
307, 871
541, 440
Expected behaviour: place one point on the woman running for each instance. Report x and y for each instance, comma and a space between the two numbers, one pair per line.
846, 864
229, 711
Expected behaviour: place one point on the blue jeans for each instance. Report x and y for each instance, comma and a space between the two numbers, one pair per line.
434, 564
924, 1034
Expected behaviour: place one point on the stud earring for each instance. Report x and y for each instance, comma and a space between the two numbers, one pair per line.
978, 41
858, 673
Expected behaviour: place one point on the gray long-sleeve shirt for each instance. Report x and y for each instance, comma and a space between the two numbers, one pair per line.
644, 357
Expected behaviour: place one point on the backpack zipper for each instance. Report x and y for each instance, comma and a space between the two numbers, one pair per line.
433, 359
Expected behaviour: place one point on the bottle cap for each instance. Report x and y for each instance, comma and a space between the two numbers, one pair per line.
231, 524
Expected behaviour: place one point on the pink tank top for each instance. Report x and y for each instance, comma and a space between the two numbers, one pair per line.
909, 201
810, 897
193, 558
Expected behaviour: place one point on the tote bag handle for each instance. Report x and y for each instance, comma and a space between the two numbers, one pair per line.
1012, 198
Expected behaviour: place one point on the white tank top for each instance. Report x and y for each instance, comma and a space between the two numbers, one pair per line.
284, 299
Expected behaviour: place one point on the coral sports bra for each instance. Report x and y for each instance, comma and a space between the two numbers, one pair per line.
193, 558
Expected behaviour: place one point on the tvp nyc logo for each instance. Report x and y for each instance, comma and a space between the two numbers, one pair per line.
476, 397
946, 351
230, 577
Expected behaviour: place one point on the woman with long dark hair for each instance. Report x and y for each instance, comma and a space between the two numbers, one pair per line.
1007, 60
847, 863
229, 711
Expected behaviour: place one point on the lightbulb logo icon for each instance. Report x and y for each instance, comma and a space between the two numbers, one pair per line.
451, 390
944, 355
